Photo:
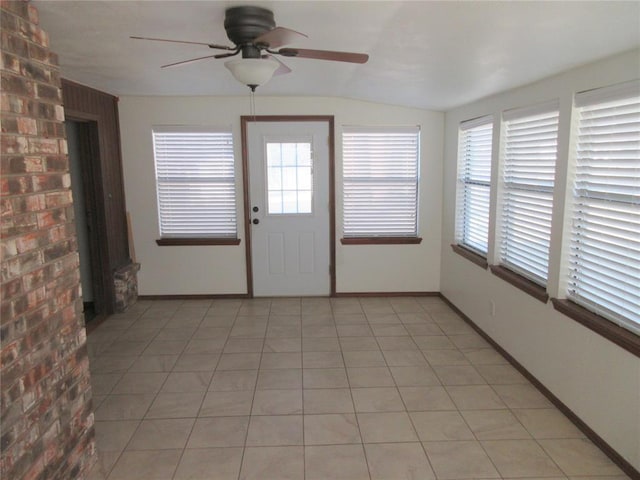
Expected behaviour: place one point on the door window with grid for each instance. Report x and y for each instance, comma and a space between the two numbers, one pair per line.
289, 178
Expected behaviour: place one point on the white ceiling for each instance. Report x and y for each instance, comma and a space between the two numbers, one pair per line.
427, 54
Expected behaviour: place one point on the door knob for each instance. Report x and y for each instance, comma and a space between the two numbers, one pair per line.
256, 221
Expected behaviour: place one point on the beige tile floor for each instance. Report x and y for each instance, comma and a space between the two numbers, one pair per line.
319, 389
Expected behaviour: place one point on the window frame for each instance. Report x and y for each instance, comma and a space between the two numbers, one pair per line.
381, 238
183, 239
526, 279
594, 316
467, 161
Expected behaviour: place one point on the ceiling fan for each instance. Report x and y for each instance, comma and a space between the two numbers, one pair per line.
257, 39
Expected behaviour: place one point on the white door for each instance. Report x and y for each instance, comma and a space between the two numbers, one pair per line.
289, 207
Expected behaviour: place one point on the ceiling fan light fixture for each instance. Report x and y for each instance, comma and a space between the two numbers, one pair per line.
252, 72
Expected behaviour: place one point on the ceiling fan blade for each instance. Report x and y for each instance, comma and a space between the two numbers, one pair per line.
210, 45
279, 36
184, 62
324, 55
282, 69
225, 55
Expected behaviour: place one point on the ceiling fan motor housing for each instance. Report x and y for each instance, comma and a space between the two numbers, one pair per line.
244, 24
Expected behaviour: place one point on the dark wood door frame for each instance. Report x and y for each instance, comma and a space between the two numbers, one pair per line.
89, 145
329, 119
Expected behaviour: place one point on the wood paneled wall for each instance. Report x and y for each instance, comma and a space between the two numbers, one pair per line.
86, 104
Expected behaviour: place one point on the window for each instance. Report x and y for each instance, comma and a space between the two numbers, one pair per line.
195, 183
380, 178
289, 178
474, 184
530, 144
604, 255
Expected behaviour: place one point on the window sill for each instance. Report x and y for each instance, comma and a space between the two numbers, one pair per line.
189, 242
380, 240
518, 281
470, 255
609, 330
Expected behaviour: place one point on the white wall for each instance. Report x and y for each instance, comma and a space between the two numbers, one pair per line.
595, 378
221, 269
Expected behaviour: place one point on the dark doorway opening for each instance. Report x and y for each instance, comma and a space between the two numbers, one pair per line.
83, 147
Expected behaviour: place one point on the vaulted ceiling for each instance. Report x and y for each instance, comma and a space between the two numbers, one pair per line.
427, 54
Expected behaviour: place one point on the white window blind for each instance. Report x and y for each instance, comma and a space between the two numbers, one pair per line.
195, 182
530, 149
604, 263
474, 183
380, 175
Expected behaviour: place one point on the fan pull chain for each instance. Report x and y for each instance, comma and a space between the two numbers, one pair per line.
252, 104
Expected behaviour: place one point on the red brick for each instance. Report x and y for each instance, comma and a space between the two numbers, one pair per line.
12, 392
33, 15
11, 164
43, 360
47, 92
11, 288
22, 264
18, 8
19, 185
31, 241
33, 164
51, 217
59, 113
35, 470
58, 199
41, 110
51, 129
25, 204
27, 126
4, 186
13, 365
19, 225
43, 183
38, 315
17, 85
38, 53
6, 207
20, 304
9, 248
64, 149
6, 310
59, 163
57, 234
11, 42
13, 144
9, 125
5, 104
13, 104
43, 145
34, 71
39, 36
33, 203
32, 279
8, 23
10, 62
57, 251
21, 164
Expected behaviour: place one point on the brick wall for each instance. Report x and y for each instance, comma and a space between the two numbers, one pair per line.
47, 422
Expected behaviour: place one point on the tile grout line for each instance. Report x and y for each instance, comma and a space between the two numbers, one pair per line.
195, 421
